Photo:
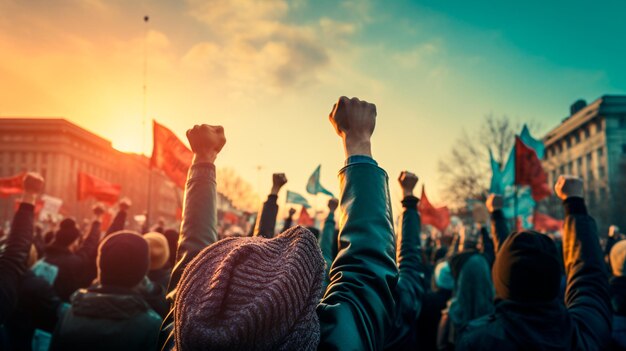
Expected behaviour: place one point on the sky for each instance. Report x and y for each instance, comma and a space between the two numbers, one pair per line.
269, 71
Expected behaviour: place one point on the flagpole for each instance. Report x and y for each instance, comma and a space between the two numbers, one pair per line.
145, 93
516, 207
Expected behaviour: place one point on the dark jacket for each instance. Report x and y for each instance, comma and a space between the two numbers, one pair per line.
434, 303
328, 245
37, 308
107, 318
74, 268
13, 258
582, 323
618, 301
266, 220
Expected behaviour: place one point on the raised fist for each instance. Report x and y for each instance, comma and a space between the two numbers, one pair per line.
494, 202
206, 141
568, 186
332, 204
613, 231
278, 180
407, 182
98, 209
124, 204
354, 121
33, 183
292, 211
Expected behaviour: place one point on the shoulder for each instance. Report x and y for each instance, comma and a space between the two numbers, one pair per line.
481, 330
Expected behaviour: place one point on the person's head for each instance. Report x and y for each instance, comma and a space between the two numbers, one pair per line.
442, 277
123, 259
617, 258
527, 268
172, 242
67, 233
252, 293
159, 250
473, 290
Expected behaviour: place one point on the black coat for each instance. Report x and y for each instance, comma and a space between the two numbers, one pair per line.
107, 318
582, 322
618, 300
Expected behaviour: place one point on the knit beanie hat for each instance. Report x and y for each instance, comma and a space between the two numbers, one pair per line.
618, 258
67, 233
527, 268
252, 293
123, 259
159, 250
443, 276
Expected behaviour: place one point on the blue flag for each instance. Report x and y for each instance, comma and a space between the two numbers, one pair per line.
525, 202
532, 143
501, 179
313, 186
295, 198
496, 176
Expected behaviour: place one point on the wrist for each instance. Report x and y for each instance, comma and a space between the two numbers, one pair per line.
204, 157
29, 197
275, 190
357, 147
407, 192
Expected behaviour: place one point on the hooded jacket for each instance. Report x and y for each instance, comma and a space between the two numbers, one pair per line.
583, 322
107, 318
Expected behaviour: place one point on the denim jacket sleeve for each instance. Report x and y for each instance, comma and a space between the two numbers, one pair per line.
357, 310
198, 230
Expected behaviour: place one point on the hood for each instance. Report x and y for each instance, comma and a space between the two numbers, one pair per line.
109, 303
536, 325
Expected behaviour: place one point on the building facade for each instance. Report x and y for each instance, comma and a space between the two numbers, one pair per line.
591, 143
59, 150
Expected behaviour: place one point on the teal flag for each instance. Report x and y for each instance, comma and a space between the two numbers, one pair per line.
532, 143
501, 179
496, 176
295, 198
313, 186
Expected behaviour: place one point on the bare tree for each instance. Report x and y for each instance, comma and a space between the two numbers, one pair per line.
237, 189
465, 173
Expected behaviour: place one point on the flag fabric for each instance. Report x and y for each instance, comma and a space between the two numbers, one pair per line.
100, 189
11, 185
313, 186
545, 223
532, 143
437, 217
525, 202
508, 172
496, 176
295, 198
170, 155
529, 171
305, 219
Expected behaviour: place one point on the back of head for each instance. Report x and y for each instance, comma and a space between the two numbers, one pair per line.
123, 259
67, 233
473, 291
443, 277
159, 250
527, 268
252, 293
617, 258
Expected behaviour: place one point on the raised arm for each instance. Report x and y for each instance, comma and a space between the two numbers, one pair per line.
499, 227
119, 221
328, 239
410, 288
360, 298
587, 293
289, 219
89, 248
13, 258
199, 225
266, 220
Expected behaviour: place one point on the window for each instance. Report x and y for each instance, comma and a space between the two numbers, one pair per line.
601, 172
587, 133
589, 159
600, 153
576, 138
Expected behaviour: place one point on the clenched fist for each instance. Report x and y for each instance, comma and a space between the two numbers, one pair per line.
292, 211
332, 204
407, 182
354, 121
278, 180
206, 142
98, 210
494, 202
124, 204
568, 186
33, 183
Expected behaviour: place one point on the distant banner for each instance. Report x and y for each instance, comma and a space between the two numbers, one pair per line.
51, 207
100, 189
305, 219
295, 198
11, 185
170, 155
437, 217
313, 185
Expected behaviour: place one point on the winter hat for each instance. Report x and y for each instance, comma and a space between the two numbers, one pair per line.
252, 293
159, 250
618, 258
527, 268
443, 276
457, 261
67, 233
123, 259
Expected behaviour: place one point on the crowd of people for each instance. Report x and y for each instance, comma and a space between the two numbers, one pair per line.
358, 285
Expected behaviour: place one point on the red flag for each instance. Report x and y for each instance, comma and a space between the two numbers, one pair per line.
11, 185
528, 171
100, 189
305, 220
230, 217
437, 217
545, 223
170, 155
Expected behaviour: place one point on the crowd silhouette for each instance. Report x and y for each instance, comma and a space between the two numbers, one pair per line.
363, 286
